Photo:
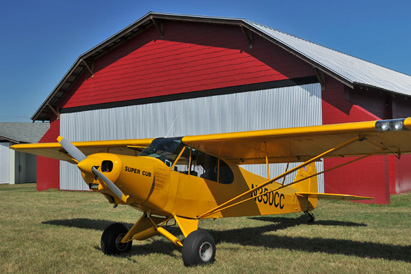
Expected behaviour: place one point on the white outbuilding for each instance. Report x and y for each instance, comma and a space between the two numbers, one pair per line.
17, 167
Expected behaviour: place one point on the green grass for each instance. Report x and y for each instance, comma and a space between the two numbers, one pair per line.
59, 232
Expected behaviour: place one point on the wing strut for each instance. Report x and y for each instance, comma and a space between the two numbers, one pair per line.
266, 161
287, 185
225, 204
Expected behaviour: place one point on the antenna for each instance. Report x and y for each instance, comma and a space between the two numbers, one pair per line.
172, 125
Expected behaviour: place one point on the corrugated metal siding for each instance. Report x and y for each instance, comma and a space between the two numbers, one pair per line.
4, 163
263, 109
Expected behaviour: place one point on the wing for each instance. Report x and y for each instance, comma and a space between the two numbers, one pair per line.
303, 143
55, 151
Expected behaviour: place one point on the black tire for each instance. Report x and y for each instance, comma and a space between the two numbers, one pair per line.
311, 217
111, 237
198, 248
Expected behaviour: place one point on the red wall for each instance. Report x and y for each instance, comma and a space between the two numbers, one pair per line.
191, 57
401, 179
48, 170
377, 176
367, 177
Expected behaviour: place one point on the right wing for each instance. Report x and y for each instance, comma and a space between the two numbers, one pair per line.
302, 143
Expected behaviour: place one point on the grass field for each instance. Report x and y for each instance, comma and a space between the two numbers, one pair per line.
59, 232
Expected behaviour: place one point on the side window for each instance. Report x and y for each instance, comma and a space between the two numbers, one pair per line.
207, 167
226, 174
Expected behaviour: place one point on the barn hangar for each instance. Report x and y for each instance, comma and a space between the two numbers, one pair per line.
175, 75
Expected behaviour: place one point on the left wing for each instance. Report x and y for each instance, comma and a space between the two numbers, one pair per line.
55, 150
303, 143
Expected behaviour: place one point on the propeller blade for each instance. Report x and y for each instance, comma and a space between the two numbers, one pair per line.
71, 149
110, 185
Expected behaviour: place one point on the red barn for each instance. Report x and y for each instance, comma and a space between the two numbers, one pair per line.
177, 75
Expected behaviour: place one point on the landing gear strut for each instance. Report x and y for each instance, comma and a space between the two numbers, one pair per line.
310, 215
198, 248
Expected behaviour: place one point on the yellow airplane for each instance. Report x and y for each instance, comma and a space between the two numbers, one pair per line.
196, 177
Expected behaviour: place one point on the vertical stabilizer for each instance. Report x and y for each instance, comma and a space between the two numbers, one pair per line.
308, 185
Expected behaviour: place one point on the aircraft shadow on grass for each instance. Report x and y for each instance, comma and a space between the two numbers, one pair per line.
257, 236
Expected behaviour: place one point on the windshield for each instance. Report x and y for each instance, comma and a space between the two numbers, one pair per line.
164, 149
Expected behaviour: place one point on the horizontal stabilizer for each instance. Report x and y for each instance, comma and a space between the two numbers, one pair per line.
331, 196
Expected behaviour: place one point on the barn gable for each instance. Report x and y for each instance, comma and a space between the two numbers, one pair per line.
245, 35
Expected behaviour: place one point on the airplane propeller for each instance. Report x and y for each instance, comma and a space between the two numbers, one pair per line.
90, 164
71, 149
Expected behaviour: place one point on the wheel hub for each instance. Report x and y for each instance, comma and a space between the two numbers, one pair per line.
206, 251
120, 246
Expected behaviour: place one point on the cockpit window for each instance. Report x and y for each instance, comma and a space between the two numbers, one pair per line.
164, 149
191, 162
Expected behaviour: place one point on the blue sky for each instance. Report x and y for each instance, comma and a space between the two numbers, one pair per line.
41, 39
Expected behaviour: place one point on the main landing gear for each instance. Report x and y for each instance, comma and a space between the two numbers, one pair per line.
198, 248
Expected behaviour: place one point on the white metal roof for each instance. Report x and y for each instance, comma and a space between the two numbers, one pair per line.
354, 70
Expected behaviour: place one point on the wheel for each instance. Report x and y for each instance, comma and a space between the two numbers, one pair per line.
198, 248
311, 217
111, 237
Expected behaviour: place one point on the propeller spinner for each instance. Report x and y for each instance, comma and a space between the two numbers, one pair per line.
90, 165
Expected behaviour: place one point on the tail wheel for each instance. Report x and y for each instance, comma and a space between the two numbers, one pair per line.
111, 240
311, 217
198, 248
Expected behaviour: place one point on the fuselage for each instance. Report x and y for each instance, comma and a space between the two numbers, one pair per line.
169, 178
